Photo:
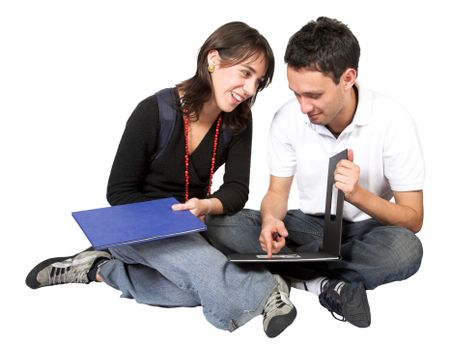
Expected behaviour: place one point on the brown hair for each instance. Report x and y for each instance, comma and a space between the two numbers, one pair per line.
235, 42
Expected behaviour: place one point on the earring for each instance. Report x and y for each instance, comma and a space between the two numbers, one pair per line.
211, 68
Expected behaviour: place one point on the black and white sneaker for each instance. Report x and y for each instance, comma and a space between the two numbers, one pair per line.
279, 312
349, 300
63, 270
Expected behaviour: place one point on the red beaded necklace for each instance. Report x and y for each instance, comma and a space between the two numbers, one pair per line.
186, 154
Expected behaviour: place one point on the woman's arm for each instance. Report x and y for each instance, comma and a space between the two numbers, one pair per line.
138, 141
233, 193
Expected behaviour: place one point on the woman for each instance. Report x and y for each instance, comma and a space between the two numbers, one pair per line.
233, 65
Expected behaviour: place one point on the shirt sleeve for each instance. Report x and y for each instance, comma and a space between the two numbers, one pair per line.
282, 156
403, 157
233, 193
138, 141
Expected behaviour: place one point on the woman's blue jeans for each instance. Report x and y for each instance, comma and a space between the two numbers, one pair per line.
188, 271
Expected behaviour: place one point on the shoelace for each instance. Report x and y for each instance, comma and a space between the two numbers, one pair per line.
333, 305
275, 301
66, 275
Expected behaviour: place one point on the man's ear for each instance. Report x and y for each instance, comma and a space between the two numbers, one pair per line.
348, 78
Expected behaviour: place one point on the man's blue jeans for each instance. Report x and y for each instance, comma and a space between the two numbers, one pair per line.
188, 271
371, 253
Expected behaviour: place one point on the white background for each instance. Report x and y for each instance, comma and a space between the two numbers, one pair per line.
71, 72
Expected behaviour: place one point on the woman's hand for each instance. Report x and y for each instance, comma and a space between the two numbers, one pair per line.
198, 207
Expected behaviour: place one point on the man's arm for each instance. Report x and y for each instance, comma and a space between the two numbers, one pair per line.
407, 211
273, 210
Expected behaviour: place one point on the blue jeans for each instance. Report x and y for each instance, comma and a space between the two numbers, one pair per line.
188, 271
371, 253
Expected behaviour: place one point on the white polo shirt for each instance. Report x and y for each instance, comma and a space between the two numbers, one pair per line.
384, 140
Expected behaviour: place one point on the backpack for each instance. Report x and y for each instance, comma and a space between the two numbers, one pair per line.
167, 115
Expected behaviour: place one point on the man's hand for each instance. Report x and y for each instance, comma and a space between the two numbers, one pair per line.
346, 176
272, 237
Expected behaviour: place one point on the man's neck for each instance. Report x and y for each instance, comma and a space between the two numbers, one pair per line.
347, 114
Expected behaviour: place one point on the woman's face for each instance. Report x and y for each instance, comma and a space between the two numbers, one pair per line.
233, 85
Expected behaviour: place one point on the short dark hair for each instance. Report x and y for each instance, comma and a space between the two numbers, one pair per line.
325, 45
235, 42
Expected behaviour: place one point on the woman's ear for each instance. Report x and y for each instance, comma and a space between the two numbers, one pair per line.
213, 57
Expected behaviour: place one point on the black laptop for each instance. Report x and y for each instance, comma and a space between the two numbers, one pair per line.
332, 233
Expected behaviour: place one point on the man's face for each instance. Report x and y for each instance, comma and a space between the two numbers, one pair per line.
320, 98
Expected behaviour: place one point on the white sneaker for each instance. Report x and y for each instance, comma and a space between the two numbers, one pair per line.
279, 312
63, 270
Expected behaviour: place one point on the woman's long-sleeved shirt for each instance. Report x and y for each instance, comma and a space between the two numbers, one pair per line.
136, 176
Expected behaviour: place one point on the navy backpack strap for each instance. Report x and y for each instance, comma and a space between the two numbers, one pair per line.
167, 105
226, 135
167, 114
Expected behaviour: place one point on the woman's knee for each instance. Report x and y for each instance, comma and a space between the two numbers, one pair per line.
234, 233
246, 217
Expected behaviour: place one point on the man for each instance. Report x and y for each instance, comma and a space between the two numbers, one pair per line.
382, 179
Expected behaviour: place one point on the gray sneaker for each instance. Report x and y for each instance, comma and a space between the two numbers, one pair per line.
279, 312
63, 270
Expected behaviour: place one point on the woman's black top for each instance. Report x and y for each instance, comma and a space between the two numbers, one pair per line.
136, 177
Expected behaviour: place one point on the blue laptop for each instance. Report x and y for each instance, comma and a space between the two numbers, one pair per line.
136, 222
